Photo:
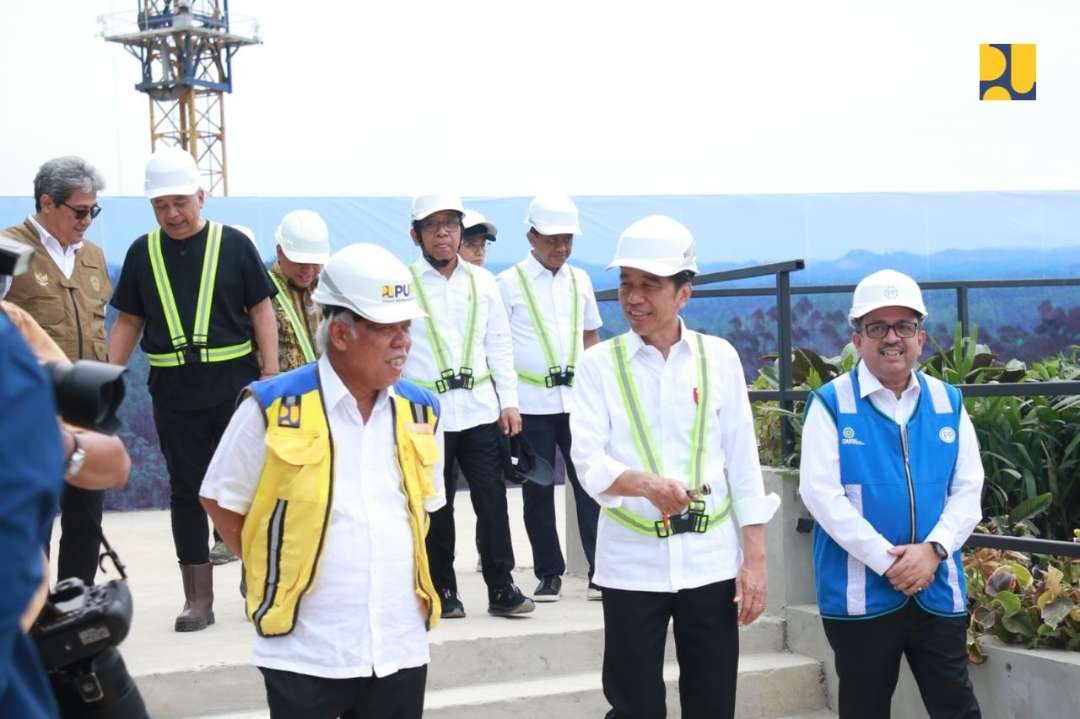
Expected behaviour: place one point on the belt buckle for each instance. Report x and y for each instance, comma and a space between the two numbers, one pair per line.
663, 530
465, 378
192, 354
445, 383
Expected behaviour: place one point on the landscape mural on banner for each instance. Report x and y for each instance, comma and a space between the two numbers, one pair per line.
841, 237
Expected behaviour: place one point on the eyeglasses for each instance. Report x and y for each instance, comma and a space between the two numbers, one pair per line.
450, 225
904, 329
476, 243
81, 212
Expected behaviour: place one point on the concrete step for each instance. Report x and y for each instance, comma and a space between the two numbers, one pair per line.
772, 685
498, 652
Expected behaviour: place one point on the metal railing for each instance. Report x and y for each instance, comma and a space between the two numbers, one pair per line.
782, 290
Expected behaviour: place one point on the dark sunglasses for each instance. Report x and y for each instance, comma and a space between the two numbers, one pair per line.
82, 212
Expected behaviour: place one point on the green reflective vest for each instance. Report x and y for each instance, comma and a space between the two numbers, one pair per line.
646, 448
446, 379
195, 350
541, 330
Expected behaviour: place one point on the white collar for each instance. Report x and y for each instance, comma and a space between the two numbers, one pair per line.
634, 342
868, 383
334, 390
533, 268
51, 242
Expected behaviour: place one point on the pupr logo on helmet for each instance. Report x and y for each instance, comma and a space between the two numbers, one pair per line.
891, 292
396, 293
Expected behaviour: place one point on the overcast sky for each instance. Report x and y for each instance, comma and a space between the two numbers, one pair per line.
596, 97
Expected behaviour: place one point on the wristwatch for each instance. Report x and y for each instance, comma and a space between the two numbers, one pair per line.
77, 458
939, 550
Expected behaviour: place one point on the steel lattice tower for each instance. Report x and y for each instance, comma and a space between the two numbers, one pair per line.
185, 48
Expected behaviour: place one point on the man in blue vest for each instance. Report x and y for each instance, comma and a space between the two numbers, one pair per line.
322, 483
891, 472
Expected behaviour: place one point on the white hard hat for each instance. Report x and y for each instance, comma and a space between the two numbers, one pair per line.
658, 245
304, 237
171, 171
473, 219
371, 282
424, 205
553, 215
886, 288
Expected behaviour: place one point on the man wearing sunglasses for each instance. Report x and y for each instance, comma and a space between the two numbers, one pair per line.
891, 472
65, 291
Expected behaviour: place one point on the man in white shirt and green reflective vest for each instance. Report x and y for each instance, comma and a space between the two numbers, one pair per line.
462, 353
664, 440
553, 318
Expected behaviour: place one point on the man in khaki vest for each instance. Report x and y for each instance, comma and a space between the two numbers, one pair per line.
65, 291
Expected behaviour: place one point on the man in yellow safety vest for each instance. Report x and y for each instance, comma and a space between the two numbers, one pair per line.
322, 483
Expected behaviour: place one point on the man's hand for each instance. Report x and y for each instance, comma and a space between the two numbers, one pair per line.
914, 569
510, 421
669, 495
751, 582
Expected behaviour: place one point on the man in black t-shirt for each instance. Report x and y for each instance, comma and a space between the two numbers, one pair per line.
198, 295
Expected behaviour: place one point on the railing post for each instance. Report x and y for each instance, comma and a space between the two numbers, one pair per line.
783, 319
962, 309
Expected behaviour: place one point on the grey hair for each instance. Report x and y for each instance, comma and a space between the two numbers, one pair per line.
322, 332
61, 177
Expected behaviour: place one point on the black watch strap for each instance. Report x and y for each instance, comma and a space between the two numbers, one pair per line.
939, 550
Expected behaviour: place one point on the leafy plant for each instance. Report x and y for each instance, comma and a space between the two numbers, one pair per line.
1020, 599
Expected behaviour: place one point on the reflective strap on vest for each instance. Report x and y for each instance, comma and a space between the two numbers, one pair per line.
646, 448
432, 387
298, 327
540, 327
203, 354
197, 349
438, 346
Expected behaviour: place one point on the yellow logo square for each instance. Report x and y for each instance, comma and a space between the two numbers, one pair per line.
1007, 71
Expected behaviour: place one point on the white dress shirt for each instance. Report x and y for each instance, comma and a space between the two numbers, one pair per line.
554, 302
823, 493
64, 257
361, 617
604, 448
492, 349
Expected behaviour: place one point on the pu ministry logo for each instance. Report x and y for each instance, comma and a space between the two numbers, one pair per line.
1007, 71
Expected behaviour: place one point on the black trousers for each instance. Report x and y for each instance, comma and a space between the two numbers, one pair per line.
477, 453
396, 696
80, 533
706, 645
188, 440
546, 433
868, 662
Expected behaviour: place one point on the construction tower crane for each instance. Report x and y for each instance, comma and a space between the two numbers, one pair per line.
186, 49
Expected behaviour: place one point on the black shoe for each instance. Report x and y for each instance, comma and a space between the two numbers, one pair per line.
548, 590
452, 608
508, 601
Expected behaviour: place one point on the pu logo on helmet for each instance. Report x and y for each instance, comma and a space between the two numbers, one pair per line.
947, 435
395, 293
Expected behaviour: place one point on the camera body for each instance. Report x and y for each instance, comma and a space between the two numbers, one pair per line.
79, 621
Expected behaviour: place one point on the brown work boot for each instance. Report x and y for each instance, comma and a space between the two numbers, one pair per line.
198, 612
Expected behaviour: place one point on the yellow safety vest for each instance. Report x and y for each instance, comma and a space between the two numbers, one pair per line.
195, 350
286, 526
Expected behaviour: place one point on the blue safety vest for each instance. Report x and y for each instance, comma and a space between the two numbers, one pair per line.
898, 478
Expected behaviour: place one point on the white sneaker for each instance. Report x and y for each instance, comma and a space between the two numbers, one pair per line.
594, 593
